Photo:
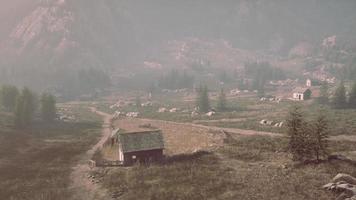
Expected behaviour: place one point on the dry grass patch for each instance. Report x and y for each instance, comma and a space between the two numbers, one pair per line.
179, 138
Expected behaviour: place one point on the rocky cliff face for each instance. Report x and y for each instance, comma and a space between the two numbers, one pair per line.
70, 32
62, 34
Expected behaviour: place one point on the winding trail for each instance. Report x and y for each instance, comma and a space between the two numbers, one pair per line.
237, 131
216, 128
82, 186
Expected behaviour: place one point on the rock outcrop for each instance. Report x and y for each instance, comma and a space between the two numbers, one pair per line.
344, 186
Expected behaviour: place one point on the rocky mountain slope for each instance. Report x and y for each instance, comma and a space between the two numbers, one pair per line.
73, 34
69, 32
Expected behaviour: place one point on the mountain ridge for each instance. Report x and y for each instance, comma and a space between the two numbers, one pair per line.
74, 34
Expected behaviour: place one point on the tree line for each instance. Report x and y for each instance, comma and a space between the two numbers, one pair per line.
176, 80
341, 99
25, 104
261, 72
69, 82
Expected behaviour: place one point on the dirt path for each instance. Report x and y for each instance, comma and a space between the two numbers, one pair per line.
215, 128
81, 184
186, 137
219, 120
190, 137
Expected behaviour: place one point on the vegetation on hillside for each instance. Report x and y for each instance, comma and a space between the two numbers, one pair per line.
203, 102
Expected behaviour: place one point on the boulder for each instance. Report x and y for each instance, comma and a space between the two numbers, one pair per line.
162, 110
210, 114
344, 177
344, 186
173, 110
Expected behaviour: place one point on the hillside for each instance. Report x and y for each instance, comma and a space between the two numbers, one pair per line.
65, 35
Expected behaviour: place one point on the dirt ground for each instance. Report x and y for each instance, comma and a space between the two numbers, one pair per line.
185, 137
85, 189
179, 138
189, 137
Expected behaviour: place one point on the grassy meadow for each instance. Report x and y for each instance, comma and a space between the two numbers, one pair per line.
244, 168
36, 162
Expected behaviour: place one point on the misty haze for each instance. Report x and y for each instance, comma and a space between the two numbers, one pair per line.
177, 99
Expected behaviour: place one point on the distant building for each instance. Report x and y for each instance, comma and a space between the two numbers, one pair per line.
144, 147
309, 83
301, 94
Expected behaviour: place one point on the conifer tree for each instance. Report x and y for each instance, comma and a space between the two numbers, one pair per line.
138, 102
18, 112
320, 136
261, 91
296, 130
48, 107
8, 95
340, 96
324, 95
29, 106
352, 98
203, 101
25, 108
221, 106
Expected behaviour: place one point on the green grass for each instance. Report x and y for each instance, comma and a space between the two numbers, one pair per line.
244, 168
249, 124
250, 110
35, 163
342, 121
201, 178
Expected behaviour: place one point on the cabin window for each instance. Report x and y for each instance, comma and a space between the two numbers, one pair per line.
134, 157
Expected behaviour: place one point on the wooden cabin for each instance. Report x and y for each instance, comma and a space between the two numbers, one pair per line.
143, 147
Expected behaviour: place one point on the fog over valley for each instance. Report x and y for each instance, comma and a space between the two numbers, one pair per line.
177, 99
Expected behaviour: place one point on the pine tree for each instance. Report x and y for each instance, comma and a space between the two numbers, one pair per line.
29, 106
340, 97
261, 91
221, 106
324, 95
18, 112
138, 102
297, 130
203, 101
48, 107
8, 97
319, 136
352, 98
25, 108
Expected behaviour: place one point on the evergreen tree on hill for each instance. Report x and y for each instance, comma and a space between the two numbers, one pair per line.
339, 100
18, 112
48, 107
324, 95
221, 106
25, 108
8, 95
297, 132
352, 99
138, 102
320, 136
203, 101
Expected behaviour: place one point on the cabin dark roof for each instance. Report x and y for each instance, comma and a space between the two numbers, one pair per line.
141, 141
300, 90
